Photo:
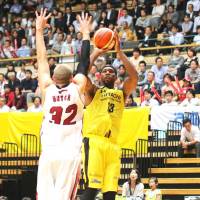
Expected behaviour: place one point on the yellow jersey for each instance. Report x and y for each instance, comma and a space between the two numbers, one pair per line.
104, 114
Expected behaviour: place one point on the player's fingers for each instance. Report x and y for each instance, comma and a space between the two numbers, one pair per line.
36, 13
86, 16
79, 19
45, 12
48, 16
82, 15
90, 19
41, 12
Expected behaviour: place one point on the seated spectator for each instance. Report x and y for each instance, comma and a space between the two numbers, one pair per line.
95, 12
190, 11
191, 55
148, 99
2, 84
7, 50
57, 45
122, 72
52, 65
19, 101
175, 61
15, 40
76, 24
193, 73
103, 18
171, 15
68, 48
136, 58
130, 102
124, 18
32, 40
94, 75
9, 96
187, 26
13, 82
16, 7
169, 99
71, 31
190, 138
195, 4
153, 193
176, 37
141, 23
10, 68
157, 13
196, 23
167, 79
117, 62
133, 188
111, 13
24, 50
142, 74
78, 45
126, 34
36, 107
3, 106
28, 84
159, 70
190, 99
59, 20
196, 38
21, 72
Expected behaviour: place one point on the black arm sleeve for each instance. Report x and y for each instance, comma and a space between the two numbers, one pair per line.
84, 64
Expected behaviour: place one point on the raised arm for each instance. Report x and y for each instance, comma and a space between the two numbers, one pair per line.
43, 66
131, 82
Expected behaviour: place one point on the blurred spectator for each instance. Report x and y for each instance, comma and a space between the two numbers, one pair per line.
76, 24
20, 30
169, 99
126, 34
78, 45
48, 4
117, 62
16, 7
69, 16
28, 84
141, 23
111, 13
142, 74
122, 72
193, 73
171, 15
68, 48
3, 107
175, 61
196, 23
24, 50
190, 99
190, 138
13, 82
9, 96
2, 84
191, 55
176, 37
190, 11
168, 85
195, 4
94, 75
136, 58
135, 11
159, 70
19, 100
187, 26
36, 107
196, 39
59, 20
10, 68
57, 45
133, 188
103, 19
7, 51
153, 193
52, 65
21, 72
15, 40
95, 12
148, 100
130, 102
32, 39
71, 31
124, 18
4, 24
157, 13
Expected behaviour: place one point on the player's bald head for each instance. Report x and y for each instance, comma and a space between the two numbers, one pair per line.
62, 74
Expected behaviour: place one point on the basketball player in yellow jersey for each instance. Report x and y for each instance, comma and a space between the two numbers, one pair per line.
104, 113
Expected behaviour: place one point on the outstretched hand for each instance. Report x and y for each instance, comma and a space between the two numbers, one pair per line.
117, 43
41, 19
85, 23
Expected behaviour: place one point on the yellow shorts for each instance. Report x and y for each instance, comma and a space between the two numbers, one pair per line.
101, 162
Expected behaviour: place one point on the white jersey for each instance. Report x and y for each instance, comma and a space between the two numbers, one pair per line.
62, 124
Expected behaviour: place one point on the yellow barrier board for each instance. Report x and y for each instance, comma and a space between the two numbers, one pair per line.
13, 125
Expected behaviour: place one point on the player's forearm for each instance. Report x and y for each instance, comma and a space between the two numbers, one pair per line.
40, 46
130, 68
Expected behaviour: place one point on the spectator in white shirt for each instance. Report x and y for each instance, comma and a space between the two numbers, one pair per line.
169, 99
136, 58
3, 106
190, 138
196, 39
157, 13
190, 99
3, 82
196, 23
126, 18
36, 107
176, 38
133, 188
195, 3
148, 100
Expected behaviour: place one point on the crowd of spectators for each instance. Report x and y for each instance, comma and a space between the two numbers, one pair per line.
148, 23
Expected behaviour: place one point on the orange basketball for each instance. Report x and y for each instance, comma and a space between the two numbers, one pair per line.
104, 38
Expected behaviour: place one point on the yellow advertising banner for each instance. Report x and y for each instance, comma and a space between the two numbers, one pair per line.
13, 125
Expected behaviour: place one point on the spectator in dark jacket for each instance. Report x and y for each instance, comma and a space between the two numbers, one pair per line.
20, 100
13, 82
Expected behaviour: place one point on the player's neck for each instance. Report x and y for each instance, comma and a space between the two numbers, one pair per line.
60, 86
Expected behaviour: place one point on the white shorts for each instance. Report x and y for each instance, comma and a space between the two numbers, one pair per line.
58, 177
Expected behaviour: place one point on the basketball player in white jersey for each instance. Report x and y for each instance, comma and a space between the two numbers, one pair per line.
61, 139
